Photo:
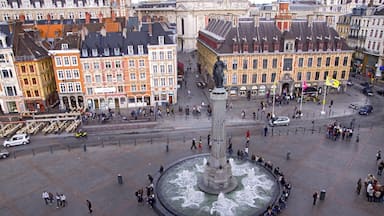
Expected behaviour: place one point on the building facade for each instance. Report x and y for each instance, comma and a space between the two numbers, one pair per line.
262, 54
58, 9
65, 56
11, 96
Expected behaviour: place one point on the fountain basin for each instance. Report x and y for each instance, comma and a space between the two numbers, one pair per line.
178, 192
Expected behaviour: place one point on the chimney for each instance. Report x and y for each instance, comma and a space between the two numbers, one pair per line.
235, 46
87, 18
124, 33
276, 44
113, 15
103, 31
320, 45
299, 46
256, 21
22, 18
339, 44
265, 46
49, 18
310, 46
150, 29
100, 17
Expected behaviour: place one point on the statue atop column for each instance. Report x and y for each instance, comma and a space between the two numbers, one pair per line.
218, 73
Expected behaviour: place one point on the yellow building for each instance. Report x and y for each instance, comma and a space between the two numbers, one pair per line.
260, 54
34, 71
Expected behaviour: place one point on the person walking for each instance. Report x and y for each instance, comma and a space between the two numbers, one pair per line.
378, 155
63, 200
45, 196
380, 167
358, 188
58, 200
193, 146
50, 198
89, 204
265, 130
248, 134
150, 178
315, 195
200, 146
243, 114
209, 141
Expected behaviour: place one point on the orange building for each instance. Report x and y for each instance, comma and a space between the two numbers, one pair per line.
65, 55
34, 71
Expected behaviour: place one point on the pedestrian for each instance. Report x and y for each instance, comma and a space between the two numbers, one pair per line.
314, 197
243, 114
150, 178
358, 188
248, 134
193, 146
265, 130
380, 167
246, 152
45, 196
89, 204
58, 200
50, 197
63, 200
161, 170
378, 155
254, 115
209, 141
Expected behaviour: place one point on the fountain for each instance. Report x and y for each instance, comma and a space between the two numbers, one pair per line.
212, 184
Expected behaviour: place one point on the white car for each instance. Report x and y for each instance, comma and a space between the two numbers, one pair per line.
18, 139
279, 121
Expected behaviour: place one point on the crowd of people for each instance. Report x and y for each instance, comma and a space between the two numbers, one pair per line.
336, 131
149, 196
49, 198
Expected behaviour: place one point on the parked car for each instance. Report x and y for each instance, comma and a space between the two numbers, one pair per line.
349, 83
4, 153
366, 85
18, 139
201, 84
366, 109
354, 106
368, 91
279, 121
380, 92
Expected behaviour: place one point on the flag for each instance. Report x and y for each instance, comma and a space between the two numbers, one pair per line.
332, 82
304, 85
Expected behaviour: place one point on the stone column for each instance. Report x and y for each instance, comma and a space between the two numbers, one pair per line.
217, 176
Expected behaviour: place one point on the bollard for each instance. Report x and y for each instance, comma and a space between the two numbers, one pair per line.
288, 155
119, 179
272, 132
288, 132
119, 143
14, 154
296, 131
33, 152
135, 142
357, 138
184, 139
50, 149
151, 140
167, 148
304, 131
279, 132
84, 147
319, 129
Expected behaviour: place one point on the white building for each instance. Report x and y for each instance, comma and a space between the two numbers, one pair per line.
57, 9
10, 93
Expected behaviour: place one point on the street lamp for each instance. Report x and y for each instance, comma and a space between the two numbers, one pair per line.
273, 100
325, 93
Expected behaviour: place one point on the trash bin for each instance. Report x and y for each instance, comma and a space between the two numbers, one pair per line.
322, 195
120, 179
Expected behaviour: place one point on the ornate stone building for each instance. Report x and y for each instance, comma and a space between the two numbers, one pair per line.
284, 52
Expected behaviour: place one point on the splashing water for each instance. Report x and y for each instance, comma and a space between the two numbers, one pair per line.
179, 186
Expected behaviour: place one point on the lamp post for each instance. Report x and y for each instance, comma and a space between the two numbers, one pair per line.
273, 99
325, 93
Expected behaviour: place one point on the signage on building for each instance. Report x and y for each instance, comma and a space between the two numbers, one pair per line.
105, 90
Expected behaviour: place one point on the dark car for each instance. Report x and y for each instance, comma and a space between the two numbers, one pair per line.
365, 110
366, 85
380, 92
368, 91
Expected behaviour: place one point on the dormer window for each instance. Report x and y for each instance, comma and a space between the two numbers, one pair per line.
64, 46
94, 52
130, 50
289, 47
161, 40
84, 52
106, 52
140, 49
116, 51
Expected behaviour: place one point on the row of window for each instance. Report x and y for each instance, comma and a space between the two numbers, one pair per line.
373, 46
159, 55
6, 73
34, 93
110, 65
120, 89
272, 77
4, 58
70, 87
65, 61
110, 78
26, 81
287, 63
68, 74
162, 82
156, 68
